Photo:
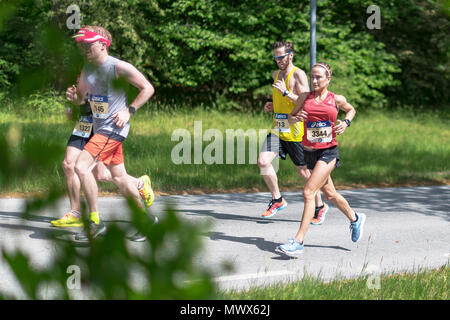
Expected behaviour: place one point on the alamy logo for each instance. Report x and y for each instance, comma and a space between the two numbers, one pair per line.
74, 280
73, 22
374, 21
373, 281
228, 148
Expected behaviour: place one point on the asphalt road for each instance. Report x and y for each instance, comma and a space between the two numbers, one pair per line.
407, 229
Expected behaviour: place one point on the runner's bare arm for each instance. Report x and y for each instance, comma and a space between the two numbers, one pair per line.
75, 94
300, 85
349, 110
138, 80
82, 87
301, 82
297, 114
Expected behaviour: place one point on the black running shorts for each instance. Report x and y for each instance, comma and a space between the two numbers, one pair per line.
77, 142
294, 149
326, 155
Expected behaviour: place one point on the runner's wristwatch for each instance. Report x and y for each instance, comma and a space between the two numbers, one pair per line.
347, 122
132, 110
286, 92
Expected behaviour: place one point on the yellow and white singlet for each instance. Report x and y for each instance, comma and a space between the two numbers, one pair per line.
282, 106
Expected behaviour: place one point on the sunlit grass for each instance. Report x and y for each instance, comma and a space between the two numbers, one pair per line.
423, 285
379, 148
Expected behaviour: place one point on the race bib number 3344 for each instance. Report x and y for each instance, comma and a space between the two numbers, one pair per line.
319, 131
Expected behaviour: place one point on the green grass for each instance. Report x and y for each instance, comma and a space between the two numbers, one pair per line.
379, 149
423, 285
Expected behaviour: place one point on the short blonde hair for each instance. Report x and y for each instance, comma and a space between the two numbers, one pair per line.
101, 31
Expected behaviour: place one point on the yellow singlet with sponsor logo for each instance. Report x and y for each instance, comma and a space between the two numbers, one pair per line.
282, 106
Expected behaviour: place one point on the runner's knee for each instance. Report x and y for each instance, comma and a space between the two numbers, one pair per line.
264, 163
119, 180
68, 166
101, 174
80, 170
331, 196
309, 194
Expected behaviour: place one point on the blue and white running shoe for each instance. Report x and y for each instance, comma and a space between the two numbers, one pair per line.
292, 247
356, 228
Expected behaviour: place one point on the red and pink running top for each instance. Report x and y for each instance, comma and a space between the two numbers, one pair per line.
319, 133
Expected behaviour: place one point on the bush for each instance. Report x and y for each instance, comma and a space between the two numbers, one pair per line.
219, 48
46, 102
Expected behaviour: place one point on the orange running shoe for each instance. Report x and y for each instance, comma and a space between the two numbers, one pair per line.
319, 217
274, 207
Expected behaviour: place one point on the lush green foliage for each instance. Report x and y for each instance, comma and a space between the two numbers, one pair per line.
222, 49
417, 33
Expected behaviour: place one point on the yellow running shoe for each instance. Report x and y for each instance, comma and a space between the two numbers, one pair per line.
94, 217
67, 221
146, 191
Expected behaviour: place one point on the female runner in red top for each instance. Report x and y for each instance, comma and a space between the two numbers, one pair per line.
318, 110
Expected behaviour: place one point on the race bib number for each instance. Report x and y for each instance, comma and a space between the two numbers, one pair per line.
282, 123
99, 106
83, 128
319, 131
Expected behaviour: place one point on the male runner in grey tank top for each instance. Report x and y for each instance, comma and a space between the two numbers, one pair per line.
111, 117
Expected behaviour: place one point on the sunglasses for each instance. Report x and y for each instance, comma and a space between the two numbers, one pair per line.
85, 45
278, 58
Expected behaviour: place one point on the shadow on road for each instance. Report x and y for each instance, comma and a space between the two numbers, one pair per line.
230, 216
236, 198
427, 200
430, 201
20, 215
41, 233
38, 232
264, 245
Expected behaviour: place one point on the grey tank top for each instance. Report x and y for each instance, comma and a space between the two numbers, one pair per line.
105, 98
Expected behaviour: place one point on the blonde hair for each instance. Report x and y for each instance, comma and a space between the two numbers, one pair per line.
325, 66
101, 31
